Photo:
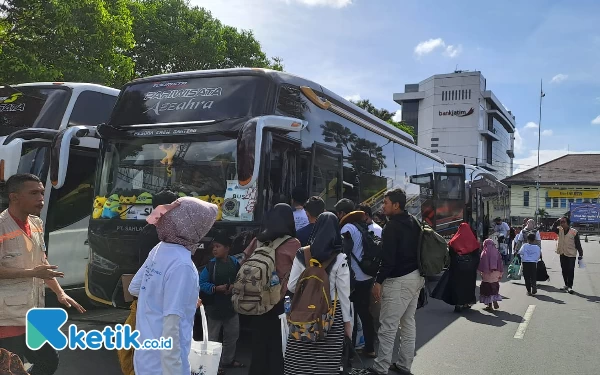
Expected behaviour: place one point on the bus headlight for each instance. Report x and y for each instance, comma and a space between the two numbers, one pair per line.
102, 263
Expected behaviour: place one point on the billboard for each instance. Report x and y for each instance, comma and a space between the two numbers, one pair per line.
585, 213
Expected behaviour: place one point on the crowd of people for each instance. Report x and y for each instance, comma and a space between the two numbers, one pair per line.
169, 288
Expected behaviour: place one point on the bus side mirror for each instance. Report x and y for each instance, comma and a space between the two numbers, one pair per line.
249, 144
10, 156
59, 151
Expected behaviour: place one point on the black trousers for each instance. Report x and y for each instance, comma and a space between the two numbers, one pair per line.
361, 299
567, 264
44, 360
267, 355
530, 275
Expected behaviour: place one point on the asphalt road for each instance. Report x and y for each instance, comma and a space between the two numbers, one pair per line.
561, 336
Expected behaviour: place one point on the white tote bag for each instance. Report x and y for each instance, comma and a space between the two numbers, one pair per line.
205, 355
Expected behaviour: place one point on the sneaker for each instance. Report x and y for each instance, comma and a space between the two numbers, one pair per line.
529, 294
571, 291
534, 292
399, 369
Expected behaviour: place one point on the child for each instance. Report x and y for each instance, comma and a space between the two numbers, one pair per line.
491, 268
530, 254
216, 283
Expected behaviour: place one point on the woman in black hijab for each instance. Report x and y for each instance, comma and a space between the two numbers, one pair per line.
267, 354
323, 357
278, 223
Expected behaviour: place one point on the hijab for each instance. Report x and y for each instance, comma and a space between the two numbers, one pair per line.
279, 222
325, 239
490, 258
464, 241
185, 221
530, 224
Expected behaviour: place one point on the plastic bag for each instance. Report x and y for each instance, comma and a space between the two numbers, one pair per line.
205, 355
285, 331
581, 263
515, 269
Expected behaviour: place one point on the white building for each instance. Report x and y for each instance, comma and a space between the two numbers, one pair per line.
455, 116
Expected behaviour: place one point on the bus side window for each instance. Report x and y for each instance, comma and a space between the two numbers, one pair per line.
92, 108
282, 171
326, 174
73, 202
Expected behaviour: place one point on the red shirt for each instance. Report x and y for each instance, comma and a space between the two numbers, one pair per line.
13, 331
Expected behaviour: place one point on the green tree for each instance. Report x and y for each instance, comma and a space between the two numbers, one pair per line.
74, 40
171, 36
385, 115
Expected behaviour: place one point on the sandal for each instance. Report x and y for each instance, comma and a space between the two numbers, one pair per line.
234, 364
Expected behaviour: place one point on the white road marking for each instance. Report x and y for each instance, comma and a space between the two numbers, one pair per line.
525, 322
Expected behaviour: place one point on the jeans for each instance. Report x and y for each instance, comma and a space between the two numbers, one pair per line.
399, 299
231, 332
567, 264
530, 275
44, 360
362, 299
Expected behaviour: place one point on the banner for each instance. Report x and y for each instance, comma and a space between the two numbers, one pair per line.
588, 213
574, 194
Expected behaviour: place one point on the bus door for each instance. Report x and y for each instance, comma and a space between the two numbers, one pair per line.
326, 173
281, 171
419, 198
449, 200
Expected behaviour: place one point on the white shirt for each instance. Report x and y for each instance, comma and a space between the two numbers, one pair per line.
502, 229
375, 228
166, 284
357, 250
300, 218
339, 280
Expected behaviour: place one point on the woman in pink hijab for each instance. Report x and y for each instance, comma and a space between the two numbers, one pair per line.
491, 268
167, 285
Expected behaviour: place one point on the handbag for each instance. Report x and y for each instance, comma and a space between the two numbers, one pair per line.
515, 269
542, 273
423, 297
205, 355
438, 291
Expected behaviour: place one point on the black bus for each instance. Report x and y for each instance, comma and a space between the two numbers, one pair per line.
243, 139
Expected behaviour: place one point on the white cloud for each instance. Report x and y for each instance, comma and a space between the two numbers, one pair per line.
429, 46
531, 125
397, 116
596, 121
559, 78
518, 142
530, 161
326, 3
547, 132
353, 98
453, 51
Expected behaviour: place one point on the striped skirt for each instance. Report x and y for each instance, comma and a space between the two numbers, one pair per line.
317, 358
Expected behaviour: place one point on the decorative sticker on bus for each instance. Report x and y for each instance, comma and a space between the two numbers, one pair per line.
7, 103
239, 203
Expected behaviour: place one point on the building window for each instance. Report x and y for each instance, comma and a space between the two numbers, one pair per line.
563, 203
463, 94
579, 200
555, 203
434, 151
469, 93
548, 202
594, 200
434, 145
435, 139
525, 199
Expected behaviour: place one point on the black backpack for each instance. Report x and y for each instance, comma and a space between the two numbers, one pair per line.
372, 250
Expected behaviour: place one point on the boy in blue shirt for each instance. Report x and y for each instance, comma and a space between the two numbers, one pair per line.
216, 284
530, 254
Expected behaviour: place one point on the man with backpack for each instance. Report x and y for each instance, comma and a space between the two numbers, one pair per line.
353, 224
399, 282
521, 238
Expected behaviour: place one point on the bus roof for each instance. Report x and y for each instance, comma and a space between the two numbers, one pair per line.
72, 85
283, 78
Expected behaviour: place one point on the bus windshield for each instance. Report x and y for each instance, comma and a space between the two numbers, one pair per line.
133, 171
25, 107
187, 100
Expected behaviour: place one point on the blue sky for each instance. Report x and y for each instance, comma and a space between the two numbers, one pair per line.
371, 48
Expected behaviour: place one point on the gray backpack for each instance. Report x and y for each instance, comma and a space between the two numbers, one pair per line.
253, 292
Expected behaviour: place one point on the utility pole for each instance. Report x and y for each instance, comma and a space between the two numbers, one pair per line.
537, 204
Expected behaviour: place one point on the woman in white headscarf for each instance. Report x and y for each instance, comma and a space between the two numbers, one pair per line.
167, 285
522, 236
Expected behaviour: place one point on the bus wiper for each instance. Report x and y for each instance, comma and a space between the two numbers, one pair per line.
19, 91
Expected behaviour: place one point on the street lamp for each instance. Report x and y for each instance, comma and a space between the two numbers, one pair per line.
537, 202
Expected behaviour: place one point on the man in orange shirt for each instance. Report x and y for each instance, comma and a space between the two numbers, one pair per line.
24, 269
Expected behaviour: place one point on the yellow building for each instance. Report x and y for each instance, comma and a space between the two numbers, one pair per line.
573, 178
